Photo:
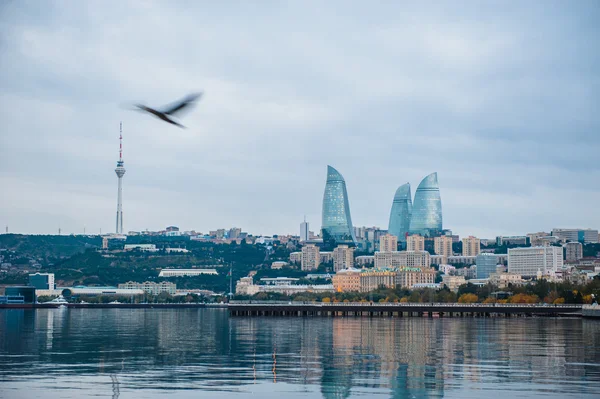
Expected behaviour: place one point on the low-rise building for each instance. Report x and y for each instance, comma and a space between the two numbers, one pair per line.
364, 260
141, 247
504, 280
512, 240
407, 277
278, 265
366, 280
100, 291
296, 257
150, 287
396, 259
453, 282
246, 286
186, 272
346, 280
42, 281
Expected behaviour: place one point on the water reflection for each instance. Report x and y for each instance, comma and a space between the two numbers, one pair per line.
119, 350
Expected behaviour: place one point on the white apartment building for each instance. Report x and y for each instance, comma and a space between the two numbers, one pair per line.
151, 287
528, 261
311, 258
343, 258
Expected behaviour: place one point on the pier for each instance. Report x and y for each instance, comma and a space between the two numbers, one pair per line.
361, 309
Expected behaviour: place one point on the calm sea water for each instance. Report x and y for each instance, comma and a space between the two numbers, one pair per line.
132, 353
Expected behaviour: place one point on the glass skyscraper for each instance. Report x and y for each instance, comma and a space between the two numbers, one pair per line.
401, 212
336, 225
426, 217
486, 265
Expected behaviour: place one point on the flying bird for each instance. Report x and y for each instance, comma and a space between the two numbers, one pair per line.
172, 110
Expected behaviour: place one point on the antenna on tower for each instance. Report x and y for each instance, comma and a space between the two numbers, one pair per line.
120, 141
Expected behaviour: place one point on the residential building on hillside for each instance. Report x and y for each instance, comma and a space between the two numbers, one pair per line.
278, 265
187, 272
311, 258
296, 257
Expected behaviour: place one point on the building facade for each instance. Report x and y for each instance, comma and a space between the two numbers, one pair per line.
528, 261
397, 259
343, 258
186, 272
150, 287
42, 281
407, 277
486, 265
336, 224
574, 251
304, 232
471, 246
585, 236
415, 242
311, 258
401, 213
388, 243
426, 218
443, 246
296, 257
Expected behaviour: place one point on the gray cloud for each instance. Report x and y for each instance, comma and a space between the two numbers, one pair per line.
501, 99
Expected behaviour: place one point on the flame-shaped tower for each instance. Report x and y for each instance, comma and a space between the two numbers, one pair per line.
120, 171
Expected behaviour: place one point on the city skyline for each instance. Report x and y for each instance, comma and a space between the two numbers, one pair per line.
512, 132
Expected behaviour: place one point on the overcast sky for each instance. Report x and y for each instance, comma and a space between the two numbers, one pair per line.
502, 99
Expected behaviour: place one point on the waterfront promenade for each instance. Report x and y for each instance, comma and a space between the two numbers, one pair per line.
313, 309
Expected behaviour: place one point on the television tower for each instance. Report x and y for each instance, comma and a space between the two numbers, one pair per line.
120, 171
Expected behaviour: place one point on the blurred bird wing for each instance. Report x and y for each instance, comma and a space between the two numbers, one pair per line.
181, 105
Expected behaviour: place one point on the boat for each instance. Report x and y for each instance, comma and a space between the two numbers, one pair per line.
59, 299
115, 303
